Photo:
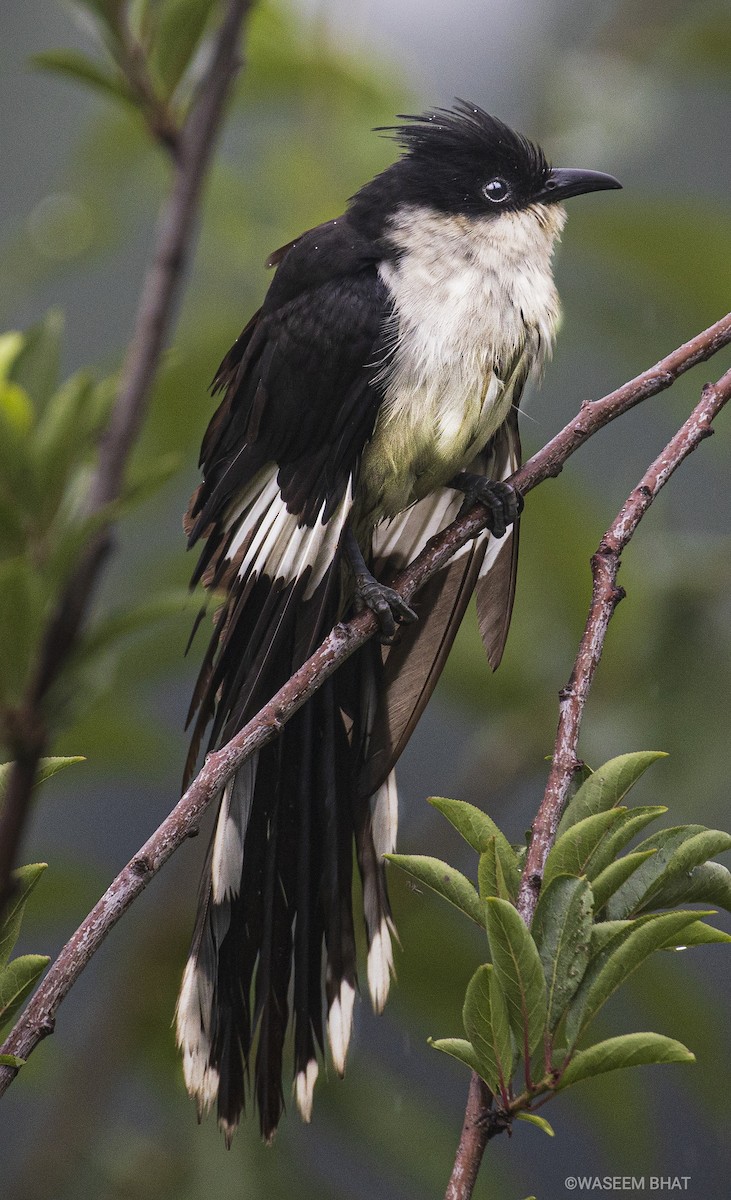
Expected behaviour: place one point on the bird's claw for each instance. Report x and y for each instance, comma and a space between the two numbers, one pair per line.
388, 607
503, 502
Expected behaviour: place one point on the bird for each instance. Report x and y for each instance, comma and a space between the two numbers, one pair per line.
372, 398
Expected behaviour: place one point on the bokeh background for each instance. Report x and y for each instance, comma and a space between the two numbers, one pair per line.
637, 87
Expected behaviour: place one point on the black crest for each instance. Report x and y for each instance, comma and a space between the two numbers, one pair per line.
450, 155
467, 134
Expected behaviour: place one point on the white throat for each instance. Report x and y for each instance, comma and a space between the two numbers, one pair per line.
475, 311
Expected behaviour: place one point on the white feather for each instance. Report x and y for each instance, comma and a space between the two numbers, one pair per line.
380, 965
228, 843
304, 1086
193, 1034
340, 1024
384, 816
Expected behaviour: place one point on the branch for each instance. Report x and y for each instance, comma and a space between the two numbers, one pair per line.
606, 596
29, 735
38, 1018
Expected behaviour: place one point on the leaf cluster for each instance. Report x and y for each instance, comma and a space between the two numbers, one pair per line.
49, 433
148, 52
602, 911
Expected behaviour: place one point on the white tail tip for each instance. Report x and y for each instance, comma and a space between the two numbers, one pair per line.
304, 1087
340, 1024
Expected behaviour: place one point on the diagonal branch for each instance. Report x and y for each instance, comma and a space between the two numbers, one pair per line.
606, 595
161, 288
39, 1017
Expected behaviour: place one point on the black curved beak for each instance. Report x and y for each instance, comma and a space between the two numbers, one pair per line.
568, 181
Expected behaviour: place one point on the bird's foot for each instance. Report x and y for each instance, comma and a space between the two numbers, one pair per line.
503, 502
388, 607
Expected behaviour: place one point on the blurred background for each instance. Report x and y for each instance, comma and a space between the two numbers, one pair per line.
636, 87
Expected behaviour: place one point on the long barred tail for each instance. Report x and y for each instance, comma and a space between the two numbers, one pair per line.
275, 914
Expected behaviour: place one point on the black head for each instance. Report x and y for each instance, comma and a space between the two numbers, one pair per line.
464, 161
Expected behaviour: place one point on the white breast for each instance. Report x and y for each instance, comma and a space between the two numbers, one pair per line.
474, 307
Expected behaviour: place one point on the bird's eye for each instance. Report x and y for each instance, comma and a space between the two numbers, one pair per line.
496, 190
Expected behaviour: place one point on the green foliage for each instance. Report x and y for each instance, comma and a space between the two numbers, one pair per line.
149, 48
591, 931
446, 881
49, 433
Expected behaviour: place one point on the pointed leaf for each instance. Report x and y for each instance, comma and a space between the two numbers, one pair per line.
36, 367
616, 961
477, 828
637, 892
608, 786
17, 981
612, 877
490, 878
24, 880
621, 834
84, 70
539, 1122
458, 1048
629, 1050
697, 934
48, 767
562, 932
11, 1060
486, 1024
519, 971
573, 850
21, 618
181, 27
447, 882
708, 884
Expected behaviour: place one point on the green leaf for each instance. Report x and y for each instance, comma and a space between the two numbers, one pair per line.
637, 892
11, 346
573, 850
562, 932
697, 934
629, 1050
477, 829
129, 621
447, 882
21, 614
607, 786
24, 880
17, 981
620, 835
47, 768
84, 70
180, 29
142, 484
708, 884
11, 1060
36, 366
539, 1122
490, 878
612, 877
486, 1024
519, 971
615, 962
458, 1048
62, 440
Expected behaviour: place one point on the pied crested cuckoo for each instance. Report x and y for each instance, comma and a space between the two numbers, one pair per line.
373, 394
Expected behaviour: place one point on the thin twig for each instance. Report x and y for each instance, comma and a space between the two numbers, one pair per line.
28, 735
606, 595
38, 1018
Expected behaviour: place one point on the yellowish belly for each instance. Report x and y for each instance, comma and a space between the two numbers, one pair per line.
424, 437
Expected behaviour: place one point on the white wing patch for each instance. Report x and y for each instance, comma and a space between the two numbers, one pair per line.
274, 542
